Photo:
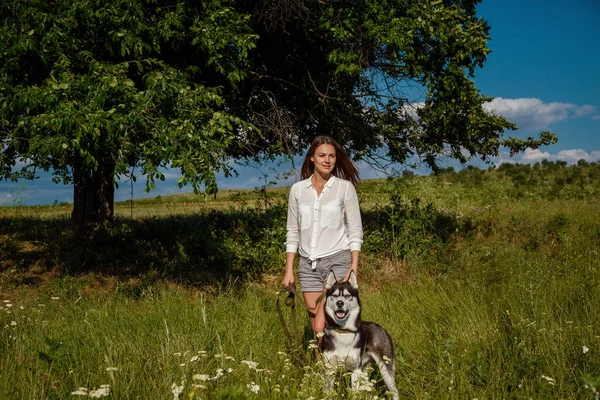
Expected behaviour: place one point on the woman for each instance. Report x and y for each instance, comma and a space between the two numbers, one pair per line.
323, 223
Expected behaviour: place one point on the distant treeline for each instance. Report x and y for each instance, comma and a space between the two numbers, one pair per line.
553, 176
583, 172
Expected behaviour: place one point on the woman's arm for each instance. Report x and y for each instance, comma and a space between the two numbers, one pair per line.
353, 219
354, 227
292, 239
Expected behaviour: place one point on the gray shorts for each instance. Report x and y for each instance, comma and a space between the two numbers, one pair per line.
312, 281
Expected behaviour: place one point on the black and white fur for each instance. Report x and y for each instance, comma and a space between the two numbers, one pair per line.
349, 341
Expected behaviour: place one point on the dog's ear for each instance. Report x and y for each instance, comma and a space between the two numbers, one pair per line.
330, 280
352, 280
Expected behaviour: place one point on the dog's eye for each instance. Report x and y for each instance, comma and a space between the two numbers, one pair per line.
348, 297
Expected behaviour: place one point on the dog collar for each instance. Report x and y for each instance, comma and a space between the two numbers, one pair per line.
340, 330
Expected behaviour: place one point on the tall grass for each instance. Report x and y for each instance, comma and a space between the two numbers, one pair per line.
487, 293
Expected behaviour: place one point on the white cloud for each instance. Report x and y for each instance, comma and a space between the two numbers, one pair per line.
574, 155
528, 113
534, 114
532, 156
5, 198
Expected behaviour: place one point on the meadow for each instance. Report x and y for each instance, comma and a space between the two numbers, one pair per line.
487, 281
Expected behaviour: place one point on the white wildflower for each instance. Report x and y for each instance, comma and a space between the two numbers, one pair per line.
320, 334
364, 384
176, 390
585, 349
13, 323
201, 387
250, 364
254, 388
230, 358
386, 359
201, 377
177, 354
220, 373
367, 387
182, 365
8, 305
102, 391
549, 380
80, 392
230, 370
54, 298
194, 359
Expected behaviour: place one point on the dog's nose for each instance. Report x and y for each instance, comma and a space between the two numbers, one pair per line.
340, 304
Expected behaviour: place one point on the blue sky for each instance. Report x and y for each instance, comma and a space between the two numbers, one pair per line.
544, 73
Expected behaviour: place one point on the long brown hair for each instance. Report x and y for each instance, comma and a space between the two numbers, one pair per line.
344, 167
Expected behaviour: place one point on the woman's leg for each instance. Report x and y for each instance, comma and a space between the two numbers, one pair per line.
317, 317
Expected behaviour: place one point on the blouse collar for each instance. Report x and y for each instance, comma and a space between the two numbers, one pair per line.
328, 184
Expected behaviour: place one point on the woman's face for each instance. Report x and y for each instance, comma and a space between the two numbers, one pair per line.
324, 159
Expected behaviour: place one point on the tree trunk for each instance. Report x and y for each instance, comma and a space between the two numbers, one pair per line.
93, 197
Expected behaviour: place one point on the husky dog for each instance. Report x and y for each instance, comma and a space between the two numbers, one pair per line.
351, 342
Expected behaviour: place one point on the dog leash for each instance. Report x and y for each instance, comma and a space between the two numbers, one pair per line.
294, 339
292, 289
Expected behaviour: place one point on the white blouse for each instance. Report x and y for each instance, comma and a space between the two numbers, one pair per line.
319, 226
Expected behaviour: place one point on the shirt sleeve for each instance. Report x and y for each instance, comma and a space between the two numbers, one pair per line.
353, 219
293, 232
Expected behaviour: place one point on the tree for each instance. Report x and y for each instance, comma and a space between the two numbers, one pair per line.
91, 89
94, 90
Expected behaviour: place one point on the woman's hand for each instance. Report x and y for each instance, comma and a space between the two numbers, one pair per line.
288, 278
353, 268
355, 255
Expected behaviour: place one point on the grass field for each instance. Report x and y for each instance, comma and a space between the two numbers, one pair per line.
487, 283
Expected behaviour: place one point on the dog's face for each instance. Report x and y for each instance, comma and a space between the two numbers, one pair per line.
342, 302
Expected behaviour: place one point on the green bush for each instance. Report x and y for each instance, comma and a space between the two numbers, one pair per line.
408, 227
